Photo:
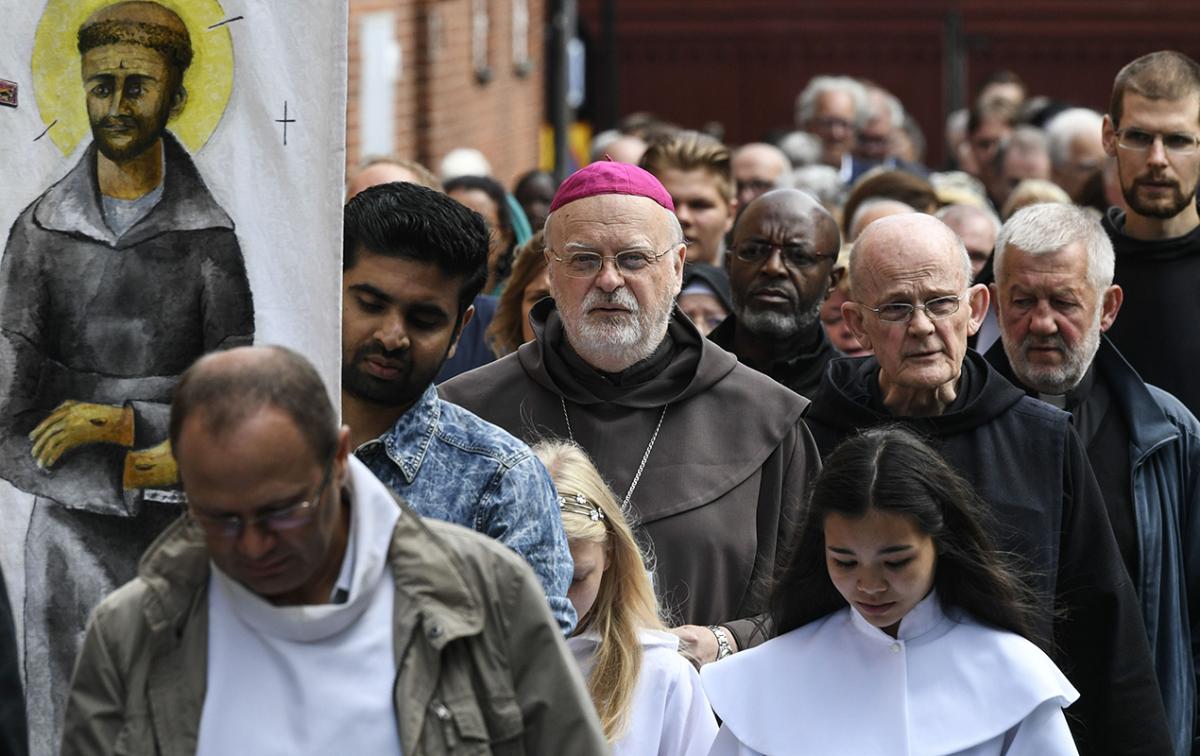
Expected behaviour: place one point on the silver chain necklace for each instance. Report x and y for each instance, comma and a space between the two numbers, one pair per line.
642, 466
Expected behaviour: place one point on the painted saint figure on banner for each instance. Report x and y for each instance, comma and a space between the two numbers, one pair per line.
112, 283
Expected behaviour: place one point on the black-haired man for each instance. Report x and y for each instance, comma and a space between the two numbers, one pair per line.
413, 260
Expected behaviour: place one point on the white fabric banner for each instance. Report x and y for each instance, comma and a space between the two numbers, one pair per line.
147, 218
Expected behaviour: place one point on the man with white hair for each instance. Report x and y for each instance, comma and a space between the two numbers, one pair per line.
833, 108
1054, 291
1076, 150
710, 456
912, 303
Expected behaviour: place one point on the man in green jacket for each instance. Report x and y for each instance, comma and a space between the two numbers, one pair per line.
299, 608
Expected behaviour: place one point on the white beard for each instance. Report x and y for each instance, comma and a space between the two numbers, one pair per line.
1062, 378
613, 343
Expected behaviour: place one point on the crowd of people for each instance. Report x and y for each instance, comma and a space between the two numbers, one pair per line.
793, 447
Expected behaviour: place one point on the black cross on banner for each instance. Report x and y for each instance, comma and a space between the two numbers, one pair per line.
285, 121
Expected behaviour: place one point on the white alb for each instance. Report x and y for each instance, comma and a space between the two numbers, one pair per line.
669, 715
318, 679
946, 685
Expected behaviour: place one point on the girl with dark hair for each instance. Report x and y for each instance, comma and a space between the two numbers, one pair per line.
901, 631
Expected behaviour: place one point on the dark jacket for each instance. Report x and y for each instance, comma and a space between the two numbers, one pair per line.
1164, 464
1025, 460
722, 487
1156, 331
800, 372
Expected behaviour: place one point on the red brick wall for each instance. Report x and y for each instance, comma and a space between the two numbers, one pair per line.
439, 102
743, 63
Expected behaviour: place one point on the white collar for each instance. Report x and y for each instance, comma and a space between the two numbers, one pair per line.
945, 685
373, 515
926, 617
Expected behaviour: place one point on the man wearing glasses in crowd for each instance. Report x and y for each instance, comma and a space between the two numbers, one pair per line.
711, 457
300, 608
780, 270
912, 303
1153, 131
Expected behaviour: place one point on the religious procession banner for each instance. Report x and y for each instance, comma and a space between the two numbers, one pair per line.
173, 175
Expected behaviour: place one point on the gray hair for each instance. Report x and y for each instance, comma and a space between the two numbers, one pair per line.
1064, 127
801, 148
806, 102
1047, 228
892, 105
821, 181
954, 212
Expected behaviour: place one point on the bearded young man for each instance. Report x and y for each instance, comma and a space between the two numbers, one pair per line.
1153, 131
710, 457
1055, 297
413, 261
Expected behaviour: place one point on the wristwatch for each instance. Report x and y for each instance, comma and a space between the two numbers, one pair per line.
723, 647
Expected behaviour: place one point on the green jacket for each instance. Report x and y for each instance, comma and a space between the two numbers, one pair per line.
481, 665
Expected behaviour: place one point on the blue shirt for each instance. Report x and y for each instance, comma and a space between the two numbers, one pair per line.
450, 465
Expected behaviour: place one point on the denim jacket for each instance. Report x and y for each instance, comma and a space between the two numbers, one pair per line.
450, 465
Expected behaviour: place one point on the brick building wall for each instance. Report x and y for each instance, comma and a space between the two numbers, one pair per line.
439, 102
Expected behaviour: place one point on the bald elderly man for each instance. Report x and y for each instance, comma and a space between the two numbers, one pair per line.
711, 457
913, 304
781, 268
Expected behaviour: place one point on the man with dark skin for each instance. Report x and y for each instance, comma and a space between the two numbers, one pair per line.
781, 268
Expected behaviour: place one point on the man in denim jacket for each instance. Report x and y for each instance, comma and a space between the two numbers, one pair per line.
413, 261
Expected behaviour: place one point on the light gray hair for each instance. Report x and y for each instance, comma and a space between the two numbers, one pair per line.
954, 212
894, 109
806, 102
801, 148
1047, 228
821, 181
1064, 127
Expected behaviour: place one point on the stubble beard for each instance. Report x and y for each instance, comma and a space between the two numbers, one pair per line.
1057, 379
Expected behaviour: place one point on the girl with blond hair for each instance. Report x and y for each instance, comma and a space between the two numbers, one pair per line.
648, 696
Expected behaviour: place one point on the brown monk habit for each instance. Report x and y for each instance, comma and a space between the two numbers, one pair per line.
724, 482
